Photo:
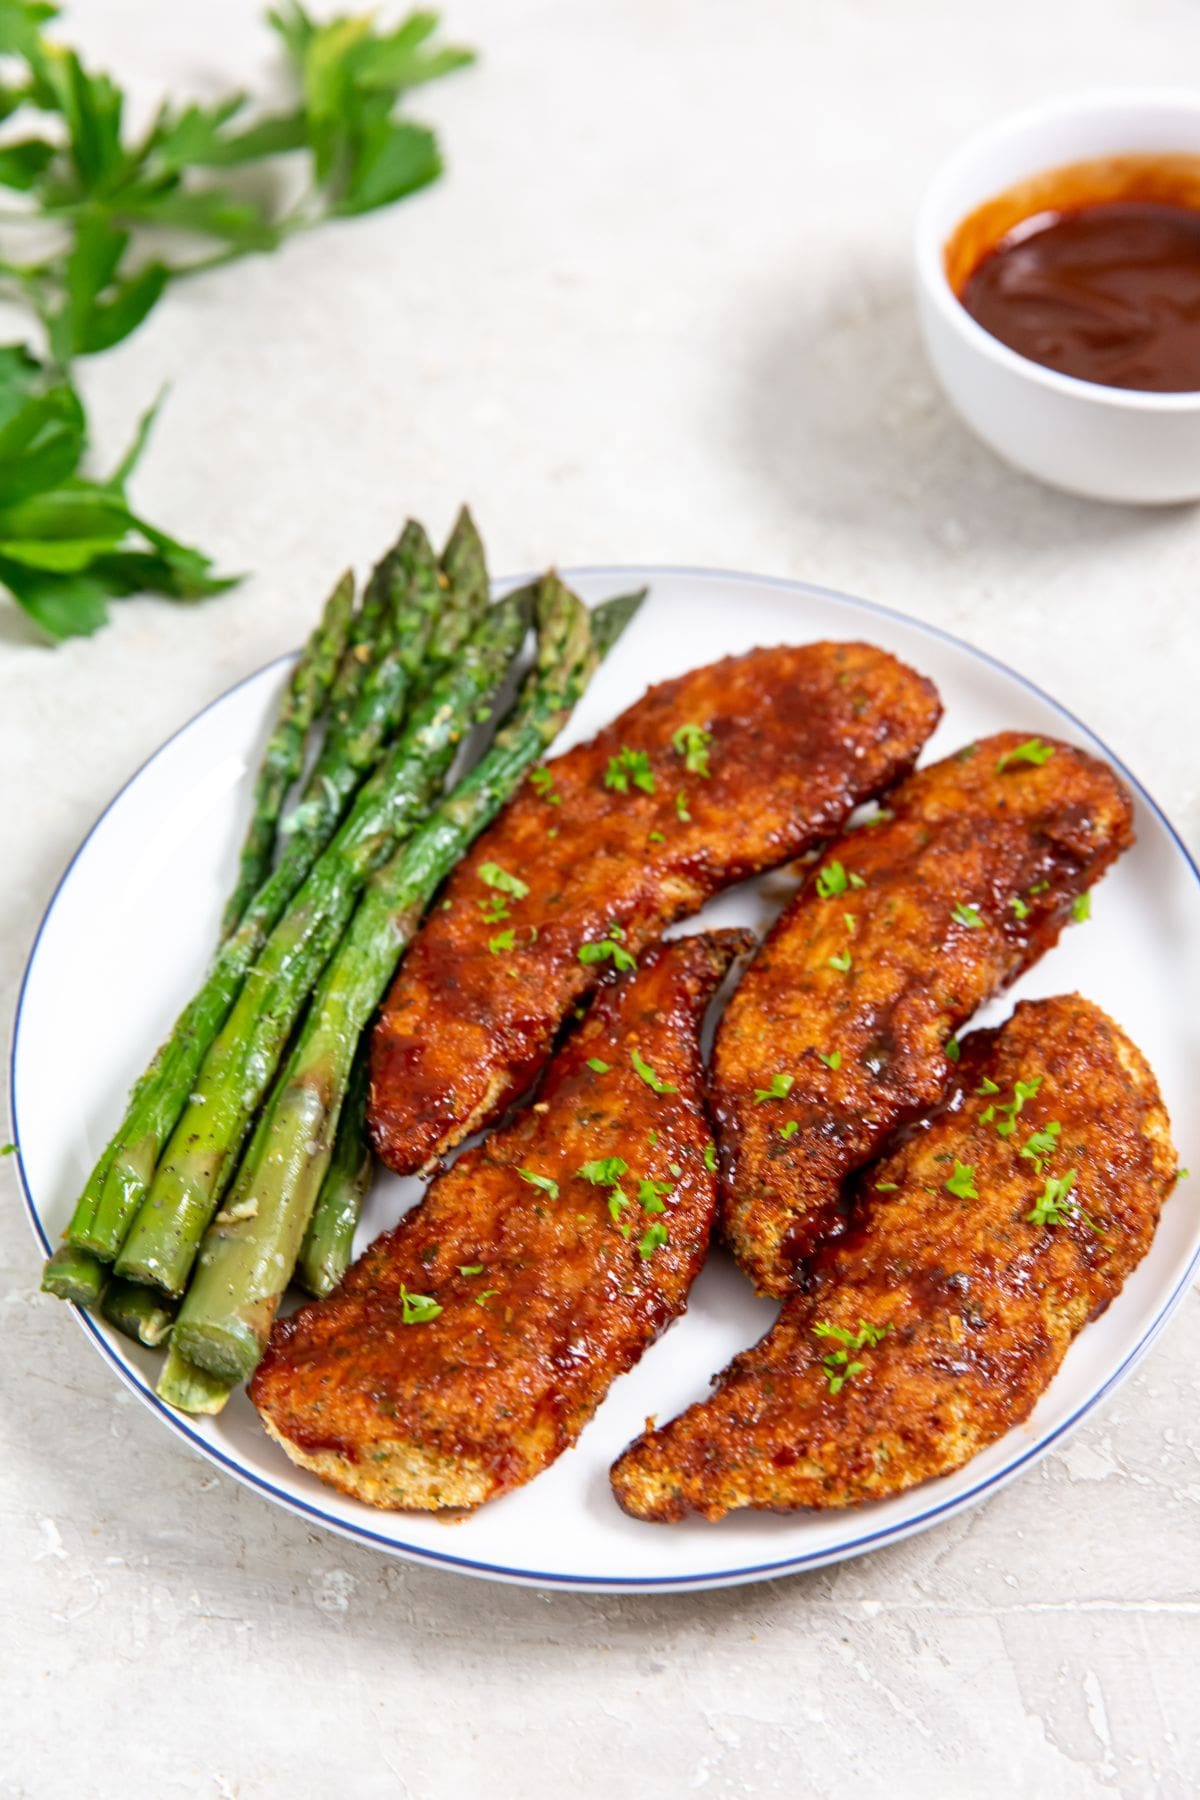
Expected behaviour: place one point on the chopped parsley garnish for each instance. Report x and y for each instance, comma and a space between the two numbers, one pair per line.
1006, 1123
652, 1239
781, 1086
1055, 1206
1039, 887
988, 1086
545, 1182
652, 1195
494, 908
8, 1149
598, 1066
652, 1081
952, 1049
886, 1187
691, 742
836, 1363
656, 837
962, 1183
604, 1170
629, 766
710, 1157
681, 807
967, 915
617, 1201
599, 948
487, 1294
543, 783
1081, 908
1180, 1174
417, 1309
832, 880
1040, 1146
493, 876
470, 1268
789, 1130
1019, 907
503, 940
1033, 750
842, 962
832, 1061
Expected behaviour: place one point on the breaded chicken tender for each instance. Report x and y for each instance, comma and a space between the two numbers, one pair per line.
469, 1347
838, 1032
982, 1246
707, 780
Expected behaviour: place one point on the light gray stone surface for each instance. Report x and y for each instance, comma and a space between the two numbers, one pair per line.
659, 310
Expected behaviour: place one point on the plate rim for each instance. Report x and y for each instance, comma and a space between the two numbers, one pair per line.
631, 1584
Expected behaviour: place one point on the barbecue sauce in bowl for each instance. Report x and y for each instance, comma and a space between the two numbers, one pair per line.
1092, 270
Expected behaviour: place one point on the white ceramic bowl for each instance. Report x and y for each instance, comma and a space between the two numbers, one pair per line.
1108, 443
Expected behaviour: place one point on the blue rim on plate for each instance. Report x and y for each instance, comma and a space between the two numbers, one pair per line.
794, 1564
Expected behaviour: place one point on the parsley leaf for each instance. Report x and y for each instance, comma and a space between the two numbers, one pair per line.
495, 877
652, 1081
831, 880
962, 1183
598, 1066
832, 1061
968, 916
652, 1195
1033, 750
629, 766
103, 200
603, 1171
836, 1364
781, 1086
417, 1309
652, 1239
1006, 1124
952, 1048
545, 1182
1039, 1146
599, 948
1081, 908
470, 1268
1055, 1206
691, 742
710, 1157
789, 1130
503, 940
1020, 907
681, 808
843, 962
542, 782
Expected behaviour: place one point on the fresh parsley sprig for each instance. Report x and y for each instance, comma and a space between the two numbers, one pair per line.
102, 220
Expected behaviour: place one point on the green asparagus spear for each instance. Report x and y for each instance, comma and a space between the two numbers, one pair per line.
248, 1258
329, 1239
72, 1274
611, 617
140, 1312
241, 1063
283, 758
122, 1178
189, 1389
463, 573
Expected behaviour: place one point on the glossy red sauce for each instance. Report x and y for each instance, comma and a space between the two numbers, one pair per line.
1092, 270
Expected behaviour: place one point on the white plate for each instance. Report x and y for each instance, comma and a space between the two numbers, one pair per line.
124, 941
